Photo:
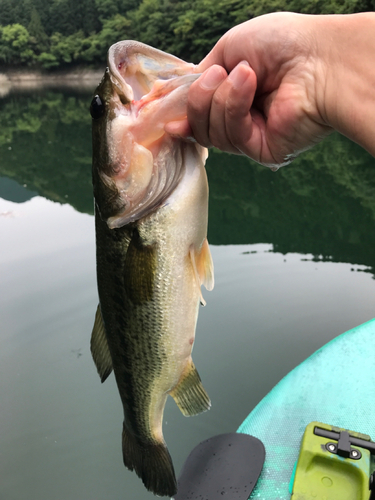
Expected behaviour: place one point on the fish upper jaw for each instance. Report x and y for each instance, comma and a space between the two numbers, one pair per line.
139, 66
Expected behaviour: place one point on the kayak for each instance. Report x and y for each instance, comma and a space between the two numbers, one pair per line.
308, 439
334, 386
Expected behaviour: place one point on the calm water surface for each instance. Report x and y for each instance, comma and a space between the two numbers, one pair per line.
294, 267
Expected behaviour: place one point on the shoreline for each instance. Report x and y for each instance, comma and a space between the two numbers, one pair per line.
34, 79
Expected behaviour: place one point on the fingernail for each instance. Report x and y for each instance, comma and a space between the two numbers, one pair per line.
211, 78
238, 76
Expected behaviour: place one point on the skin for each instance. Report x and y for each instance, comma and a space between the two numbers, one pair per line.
276, 85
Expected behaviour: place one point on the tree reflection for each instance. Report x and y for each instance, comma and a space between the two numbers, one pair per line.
322, 204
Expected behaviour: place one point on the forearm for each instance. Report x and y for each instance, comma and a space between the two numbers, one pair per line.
347, 96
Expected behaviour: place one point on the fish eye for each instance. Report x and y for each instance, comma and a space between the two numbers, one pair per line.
97, 108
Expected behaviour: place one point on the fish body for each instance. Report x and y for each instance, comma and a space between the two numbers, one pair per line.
151, 204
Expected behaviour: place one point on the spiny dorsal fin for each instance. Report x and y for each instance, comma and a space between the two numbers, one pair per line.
99, 347
189, 394
203, 267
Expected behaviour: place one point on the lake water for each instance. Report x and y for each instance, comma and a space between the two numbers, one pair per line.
294, 266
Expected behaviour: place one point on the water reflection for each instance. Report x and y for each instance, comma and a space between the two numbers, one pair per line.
60, 429
279, 295
45, 143
323, 204
11, 190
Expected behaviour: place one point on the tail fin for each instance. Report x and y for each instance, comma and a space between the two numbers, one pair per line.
151, 462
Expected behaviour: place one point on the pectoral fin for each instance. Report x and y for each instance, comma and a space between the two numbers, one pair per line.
203, 267
189, 394
139, 270
99, 347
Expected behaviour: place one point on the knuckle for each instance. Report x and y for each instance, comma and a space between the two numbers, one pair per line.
235, 109
239, 136
222, 142
202, 138
194, 108
232, 112
215, 139
217, 100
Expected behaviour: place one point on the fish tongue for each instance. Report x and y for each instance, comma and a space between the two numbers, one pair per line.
167, 101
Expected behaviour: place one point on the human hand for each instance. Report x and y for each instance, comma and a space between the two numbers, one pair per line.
266, 87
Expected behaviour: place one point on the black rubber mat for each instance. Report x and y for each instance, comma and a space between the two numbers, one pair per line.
222, 467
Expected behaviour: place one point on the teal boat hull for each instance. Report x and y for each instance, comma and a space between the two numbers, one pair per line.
335, 385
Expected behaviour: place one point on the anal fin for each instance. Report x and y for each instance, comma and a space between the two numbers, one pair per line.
99, 347
189, 394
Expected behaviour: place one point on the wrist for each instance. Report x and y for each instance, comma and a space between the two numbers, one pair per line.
346, 75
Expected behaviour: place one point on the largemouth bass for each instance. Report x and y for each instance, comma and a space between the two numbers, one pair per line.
151, 203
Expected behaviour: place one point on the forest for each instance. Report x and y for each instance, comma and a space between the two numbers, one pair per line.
61, 34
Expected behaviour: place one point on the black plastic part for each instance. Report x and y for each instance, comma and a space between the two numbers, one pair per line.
224, 466
372, 487
343, 445
354, 441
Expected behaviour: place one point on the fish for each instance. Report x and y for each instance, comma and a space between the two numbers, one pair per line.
152, 254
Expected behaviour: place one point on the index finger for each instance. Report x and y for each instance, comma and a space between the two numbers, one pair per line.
200, 101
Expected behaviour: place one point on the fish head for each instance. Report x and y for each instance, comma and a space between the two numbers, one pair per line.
136, 165
103, 110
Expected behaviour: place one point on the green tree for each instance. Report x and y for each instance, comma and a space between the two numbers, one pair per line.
199, 27
94, 48
56, 33
66, 49
12, 12
15, 45
38, 36
153, 22
6, 12
109, 8
48, 61
69, 16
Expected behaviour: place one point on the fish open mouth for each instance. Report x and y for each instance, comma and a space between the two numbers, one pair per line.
144, 165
